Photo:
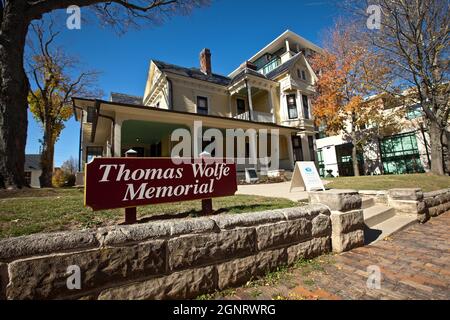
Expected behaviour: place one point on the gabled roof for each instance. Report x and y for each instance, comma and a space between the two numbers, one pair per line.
193, 73
244, 72
125, 98
284, 67
32, 162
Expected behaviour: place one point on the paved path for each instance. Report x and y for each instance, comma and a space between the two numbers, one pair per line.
277, 190
414, 263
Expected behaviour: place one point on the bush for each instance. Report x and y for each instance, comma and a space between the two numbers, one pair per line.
63, 179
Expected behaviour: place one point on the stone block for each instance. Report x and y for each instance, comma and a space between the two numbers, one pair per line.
309, 249
272, 235
236, 272
41, 244
321, 226
337, 200
141, 232
406, 194
46, 277
344, 222
186, 284
308, 212
347, 241
230, 221
404, 206
3, 280
197, 250
270, 260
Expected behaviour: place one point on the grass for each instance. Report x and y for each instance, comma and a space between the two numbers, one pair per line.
427, 182
30, 211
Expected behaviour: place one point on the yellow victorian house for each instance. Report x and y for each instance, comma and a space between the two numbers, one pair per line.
272, 90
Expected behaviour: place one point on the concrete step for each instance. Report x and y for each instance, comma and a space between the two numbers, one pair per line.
388, 227
377, 214
367, 203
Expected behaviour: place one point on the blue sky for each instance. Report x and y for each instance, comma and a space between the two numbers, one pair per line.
234, 30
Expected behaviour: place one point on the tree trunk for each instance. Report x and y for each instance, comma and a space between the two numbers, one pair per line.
354, 155
14, 89
48, 152
437, 161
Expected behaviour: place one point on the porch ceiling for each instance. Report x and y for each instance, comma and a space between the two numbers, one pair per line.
146, 132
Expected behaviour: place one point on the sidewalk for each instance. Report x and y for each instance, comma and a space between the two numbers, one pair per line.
276, 190
414, 264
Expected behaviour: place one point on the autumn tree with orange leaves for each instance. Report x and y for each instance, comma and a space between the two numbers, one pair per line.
348, 74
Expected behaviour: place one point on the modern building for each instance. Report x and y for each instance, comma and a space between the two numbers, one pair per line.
33, 170
406, 151
272, 90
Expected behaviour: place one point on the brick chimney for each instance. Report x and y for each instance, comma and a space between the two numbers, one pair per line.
205, 61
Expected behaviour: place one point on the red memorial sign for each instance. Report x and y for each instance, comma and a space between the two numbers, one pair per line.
112, 183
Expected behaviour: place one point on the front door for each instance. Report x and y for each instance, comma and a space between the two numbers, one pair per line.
297, 148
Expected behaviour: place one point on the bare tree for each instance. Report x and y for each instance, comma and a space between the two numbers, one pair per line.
414, 38
56, 78
70, 165
15, 19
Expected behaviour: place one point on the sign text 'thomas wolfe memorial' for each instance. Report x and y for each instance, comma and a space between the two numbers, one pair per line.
129, 182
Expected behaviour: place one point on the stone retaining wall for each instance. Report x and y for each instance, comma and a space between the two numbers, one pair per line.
164, 259
425, 205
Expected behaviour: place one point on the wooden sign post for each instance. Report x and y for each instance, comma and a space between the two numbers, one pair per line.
113, 183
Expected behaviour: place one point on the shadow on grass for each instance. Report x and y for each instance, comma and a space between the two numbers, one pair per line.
198, 213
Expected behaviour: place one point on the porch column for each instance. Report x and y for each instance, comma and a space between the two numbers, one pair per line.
250, 103
117, 138
253, 144
272, 111
290, 149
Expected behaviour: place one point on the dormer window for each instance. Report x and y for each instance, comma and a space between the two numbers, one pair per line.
90, 114
301, 74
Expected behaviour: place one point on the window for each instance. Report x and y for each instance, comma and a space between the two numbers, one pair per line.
28, 177
292, 106
414, 112
301, 74
92, 152
202, 105
321, 163
400, 154
90, 114
312, 153
305, 106
240, 106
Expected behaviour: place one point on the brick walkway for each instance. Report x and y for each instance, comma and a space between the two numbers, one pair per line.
415, 264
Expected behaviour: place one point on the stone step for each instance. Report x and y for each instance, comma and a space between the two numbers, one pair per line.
388, 227
367, 203
377, 214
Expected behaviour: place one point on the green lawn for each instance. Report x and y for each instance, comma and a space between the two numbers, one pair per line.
427, 182
44, 210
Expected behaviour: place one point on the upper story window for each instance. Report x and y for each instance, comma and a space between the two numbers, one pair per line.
292, 106
240, 106
90, 114
414, 112
301, 74
202, 105
305, 106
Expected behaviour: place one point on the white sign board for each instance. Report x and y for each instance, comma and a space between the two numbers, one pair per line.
305, 175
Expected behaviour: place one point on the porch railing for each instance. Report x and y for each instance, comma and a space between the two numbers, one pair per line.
255, 116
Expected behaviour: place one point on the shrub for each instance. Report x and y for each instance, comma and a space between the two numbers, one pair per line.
63, 179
